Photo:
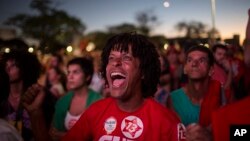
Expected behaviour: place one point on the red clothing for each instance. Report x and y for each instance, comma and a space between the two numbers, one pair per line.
211, 102
105, 121
237, 68
236, 113
219, 74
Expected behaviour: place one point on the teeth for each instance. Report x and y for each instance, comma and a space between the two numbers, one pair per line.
117, 73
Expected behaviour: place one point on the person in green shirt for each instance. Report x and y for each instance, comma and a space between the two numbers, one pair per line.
70, 107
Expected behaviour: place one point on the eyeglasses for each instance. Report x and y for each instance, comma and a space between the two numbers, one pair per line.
201, 60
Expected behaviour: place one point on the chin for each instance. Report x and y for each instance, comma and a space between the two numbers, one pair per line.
116, 94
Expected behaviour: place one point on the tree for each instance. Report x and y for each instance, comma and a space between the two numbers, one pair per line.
99, 38
51, 26
146, 20
125, 27
192, 29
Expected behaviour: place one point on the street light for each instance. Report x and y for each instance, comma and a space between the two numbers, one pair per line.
213, 19
69, 49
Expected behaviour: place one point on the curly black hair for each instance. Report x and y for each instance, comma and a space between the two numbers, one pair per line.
5, 89
142, 49
29, 65
4, 84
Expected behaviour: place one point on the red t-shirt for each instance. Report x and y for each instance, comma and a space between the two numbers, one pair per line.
237, 113
211, 102
219, 74
104, 121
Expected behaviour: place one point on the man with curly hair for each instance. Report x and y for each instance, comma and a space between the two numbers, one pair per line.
131, 68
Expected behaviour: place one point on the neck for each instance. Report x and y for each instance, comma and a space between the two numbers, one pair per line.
55, 82
83, 91
219, 65
16, 88
197, 89
131, 104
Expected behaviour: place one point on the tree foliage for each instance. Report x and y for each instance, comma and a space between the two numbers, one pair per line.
194, 29
51, 26
146, 20
125, 27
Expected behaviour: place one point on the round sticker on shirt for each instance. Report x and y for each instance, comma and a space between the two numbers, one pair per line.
110, 125
132, 127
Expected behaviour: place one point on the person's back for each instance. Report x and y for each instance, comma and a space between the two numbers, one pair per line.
237, 113
8, 132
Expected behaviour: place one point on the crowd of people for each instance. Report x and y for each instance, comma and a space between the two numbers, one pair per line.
137, 93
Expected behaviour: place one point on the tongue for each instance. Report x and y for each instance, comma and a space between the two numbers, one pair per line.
118, 82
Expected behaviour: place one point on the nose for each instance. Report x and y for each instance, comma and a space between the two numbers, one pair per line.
117, 62
195, 62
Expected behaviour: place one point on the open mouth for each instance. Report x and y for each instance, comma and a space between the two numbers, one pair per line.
118, 79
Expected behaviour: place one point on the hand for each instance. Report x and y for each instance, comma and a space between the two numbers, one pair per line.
194, 132
33, 98
55, 134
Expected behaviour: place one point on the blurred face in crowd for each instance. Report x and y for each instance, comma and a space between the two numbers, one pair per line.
76, 79
220, 55
172, 57
13, 71
196, 66
53, 75
123, 74
162, 63
54, 62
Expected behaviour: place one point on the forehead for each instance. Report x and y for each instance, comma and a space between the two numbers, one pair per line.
122, 49
74, 67
197, 53
220, 50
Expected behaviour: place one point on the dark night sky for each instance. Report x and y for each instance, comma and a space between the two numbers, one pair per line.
231, 15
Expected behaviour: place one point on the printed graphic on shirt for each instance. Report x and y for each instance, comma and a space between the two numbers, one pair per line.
71, 123
113, 138
110, 125
181, 130
132, 127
